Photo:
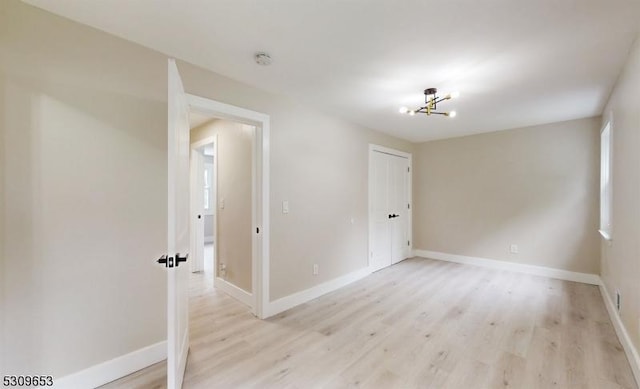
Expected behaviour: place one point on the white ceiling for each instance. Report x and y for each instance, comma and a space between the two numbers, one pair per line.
515, 62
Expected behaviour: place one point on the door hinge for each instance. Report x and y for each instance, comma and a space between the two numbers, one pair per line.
408, 243
408, 170
408, 206
257, 230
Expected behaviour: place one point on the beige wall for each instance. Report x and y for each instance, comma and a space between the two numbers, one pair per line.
535, 187
318, 164
621, 258
84, 129
85, 194
234, 185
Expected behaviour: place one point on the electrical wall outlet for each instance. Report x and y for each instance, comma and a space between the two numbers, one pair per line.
222, 271
315, 269
222, 203
513, 249
285, 206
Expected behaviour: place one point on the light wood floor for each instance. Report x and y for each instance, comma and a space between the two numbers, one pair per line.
420, 323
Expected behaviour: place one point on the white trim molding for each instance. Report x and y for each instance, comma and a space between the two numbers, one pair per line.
586, 278
114, 369
623, 335
306, 295
236, 292
605, 235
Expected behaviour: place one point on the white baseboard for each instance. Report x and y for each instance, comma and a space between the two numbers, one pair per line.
623, 335
550, 272
119, 367
237, 293
288, 302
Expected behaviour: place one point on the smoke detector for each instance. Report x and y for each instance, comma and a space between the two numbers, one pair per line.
263, 59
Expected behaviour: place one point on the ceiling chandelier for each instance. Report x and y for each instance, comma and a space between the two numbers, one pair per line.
431, 101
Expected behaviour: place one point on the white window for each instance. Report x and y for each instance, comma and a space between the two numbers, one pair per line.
605, 182
208, 187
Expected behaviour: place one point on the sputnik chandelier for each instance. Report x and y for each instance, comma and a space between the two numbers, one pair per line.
431, 101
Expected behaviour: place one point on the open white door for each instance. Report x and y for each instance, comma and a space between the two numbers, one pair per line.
178, 230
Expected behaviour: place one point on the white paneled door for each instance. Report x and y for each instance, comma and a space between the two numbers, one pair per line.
178, 230
389, 208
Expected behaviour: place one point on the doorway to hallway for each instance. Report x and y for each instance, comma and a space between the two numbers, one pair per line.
222, 187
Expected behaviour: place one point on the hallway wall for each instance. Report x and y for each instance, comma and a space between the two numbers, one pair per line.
234, 186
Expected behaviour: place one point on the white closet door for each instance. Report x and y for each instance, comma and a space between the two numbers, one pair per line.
389, 213
398, 177
381, 226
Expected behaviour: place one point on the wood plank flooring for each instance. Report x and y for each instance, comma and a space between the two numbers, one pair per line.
418, 324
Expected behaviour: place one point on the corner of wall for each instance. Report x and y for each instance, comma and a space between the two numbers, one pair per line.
2, 206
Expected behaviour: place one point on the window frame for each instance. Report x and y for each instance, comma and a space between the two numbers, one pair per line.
606, 182
207, 187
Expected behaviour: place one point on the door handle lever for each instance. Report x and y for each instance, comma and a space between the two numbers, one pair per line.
162, 260
181, 259
168, 261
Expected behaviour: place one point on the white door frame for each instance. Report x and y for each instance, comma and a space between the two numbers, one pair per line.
197, 164
382, 149
260, 195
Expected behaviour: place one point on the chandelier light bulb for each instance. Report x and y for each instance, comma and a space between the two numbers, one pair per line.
454, 95
411, 113
403, 110
452, 114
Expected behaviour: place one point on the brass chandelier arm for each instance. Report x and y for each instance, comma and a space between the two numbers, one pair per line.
424, 110
431, 101
440, 99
